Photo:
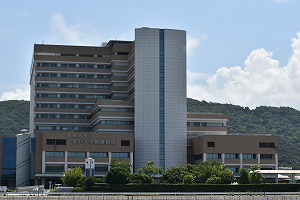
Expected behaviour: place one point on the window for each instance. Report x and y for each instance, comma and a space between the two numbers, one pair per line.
267, 156
99, 155
56, 142
55, 168
213, 156
198, 157
210, 144
120, 155
50, 141
249, 156
55, 154
125, 142
232, 156
101, 168
76, 154
266, 145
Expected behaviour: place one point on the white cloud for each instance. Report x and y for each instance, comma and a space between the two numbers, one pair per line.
74, 34
260, 81
17, 94
193, 42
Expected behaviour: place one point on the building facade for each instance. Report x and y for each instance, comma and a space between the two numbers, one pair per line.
123, 100
107, 102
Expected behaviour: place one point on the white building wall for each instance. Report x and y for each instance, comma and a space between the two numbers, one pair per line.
175, 98
147, 97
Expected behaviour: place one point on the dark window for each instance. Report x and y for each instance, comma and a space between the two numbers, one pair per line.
125, 142
266, 145
267, 156
56, 142
210, 144
50, 141
198, 157
61, 142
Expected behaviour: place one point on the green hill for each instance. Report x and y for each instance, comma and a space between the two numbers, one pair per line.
14, 116
281, 121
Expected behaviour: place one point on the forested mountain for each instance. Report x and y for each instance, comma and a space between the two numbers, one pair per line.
14, 116
281, 121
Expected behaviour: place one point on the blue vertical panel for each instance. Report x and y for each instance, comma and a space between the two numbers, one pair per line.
161, 98
9, 145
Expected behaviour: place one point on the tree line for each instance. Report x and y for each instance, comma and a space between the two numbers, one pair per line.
205, 173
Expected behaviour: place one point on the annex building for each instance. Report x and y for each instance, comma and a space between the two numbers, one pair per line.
123, 100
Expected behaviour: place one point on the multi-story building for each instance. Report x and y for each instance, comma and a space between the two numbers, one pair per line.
123, 100
103, 101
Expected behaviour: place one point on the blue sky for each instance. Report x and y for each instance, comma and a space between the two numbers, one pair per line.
244, 52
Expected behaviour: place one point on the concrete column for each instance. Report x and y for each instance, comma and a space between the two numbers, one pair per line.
43, 162
66, 160
109, 160
131, 162
204, 157
241, 160
223, 158
258, 159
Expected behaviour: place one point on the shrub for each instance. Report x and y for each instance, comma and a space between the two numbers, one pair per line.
77, 189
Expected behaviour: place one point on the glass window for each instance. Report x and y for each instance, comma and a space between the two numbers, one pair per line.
76, 154
120, 155
267, 156
232, 156
101, 168
249, 156
125, 142
266, 145
99, 155
54, 168
55, 154
213, 156
210, 144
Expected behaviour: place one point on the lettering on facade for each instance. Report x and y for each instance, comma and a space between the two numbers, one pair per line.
78, 138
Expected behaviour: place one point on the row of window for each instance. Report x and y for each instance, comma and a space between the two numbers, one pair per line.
85, 86
73, 96
79, 154
115, 122
116, 110
89, 76
63, 128
61, 116
266, 145
73, 65
205, 124
261, 144
70, 106
93, 154
60, 168
233, 156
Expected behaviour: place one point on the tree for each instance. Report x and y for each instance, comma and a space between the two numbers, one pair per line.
89, 182
72, 176
255, 177
210, 169
141, 178
119, 172
173, 175
244, 176
188, 178
149, 171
